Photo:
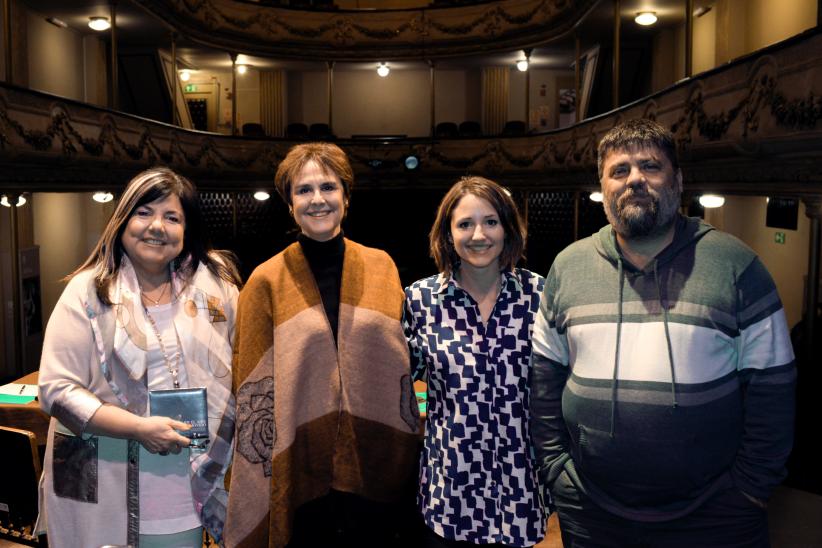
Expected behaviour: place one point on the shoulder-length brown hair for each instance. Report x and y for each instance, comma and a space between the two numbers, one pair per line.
328, 155
146, 187
442, 246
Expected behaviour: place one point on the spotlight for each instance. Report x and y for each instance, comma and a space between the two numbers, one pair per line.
185, 75
4, 201
262, 195
711, 200
522, 65
99, 23
645, 18
411, 162
595, 196
383, 70
242, 69
102, 197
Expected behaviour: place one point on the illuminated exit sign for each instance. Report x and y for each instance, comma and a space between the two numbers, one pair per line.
191, 88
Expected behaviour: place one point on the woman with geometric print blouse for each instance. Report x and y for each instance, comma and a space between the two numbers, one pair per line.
470, 328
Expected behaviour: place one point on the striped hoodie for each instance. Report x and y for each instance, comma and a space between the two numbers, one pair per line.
655, 388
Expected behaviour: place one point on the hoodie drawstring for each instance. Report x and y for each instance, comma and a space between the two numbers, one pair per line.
616, 352
667, 335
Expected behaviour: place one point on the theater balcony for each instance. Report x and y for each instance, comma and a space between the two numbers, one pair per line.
520, 91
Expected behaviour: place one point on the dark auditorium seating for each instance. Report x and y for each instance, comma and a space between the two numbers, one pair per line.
470, 128
297, 130
513, 128
320, 132
446, 129
253, 129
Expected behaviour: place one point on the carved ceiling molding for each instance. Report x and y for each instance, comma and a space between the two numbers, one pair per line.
754, 126
354, 35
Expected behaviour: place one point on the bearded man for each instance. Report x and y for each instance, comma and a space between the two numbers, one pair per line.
663, 379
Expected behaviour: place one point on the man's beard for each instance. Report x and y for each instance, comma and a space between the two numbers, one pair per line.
637, 220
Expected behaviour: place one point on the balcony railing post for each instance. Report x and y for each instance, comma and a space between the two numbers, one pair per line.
689, 38
114, 99
615, 68
234, 94
330, 65
432, 91
174, 119
7, 40
16, 286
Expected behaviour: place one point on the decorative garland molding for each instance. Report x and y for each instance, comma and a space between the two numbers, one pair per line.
355, 35
754, 126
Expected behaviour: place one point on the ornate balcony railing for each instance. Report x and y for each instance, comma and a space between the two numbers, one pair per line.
351, 35
750, 126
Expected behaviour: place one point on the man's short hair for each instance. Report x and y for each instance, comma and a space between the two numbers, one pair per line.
637, 133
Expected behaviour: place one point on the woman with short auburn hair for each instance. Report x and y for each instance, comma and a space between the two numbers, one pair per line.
326, 415
469, 327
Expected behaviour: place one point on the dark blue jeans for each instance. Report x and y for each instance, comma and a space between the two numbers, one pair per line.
726, 520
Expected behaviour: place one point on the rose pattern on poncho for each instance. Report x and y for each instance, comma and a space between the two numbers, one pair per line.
255, 417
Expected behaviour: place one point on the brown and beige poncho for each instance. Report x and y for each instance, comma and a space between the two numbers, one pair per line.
312, 415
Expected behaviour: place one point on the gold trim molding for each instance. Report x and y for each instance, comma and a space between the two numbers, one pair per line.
342, 35
753, 126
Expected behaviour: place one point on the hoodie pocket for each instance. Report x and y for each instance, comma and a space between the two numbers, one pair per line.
635, 469
74, 467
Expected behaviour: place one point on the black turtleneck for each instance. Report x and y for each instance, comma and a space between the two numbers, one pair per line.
326, 261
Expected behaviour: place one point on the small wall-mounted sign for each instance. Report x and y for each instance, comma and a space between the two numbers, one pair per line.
779, 237
191, 88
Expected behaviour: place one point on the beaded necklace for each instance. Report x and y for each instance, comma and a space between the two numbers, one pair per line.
173, 369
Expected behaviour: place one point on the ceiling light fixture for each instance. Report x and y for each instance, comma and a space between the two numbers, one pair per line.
57, 22
4, 201
596, 196
242, 69
102, 197
711, 200
262, 195
99, 23
645, 18
701, 10
522, 65
383, 70
185, 75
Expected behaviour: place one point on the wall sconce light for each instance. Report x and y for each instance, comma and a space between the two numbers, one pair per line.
711, 200
383, 70
99, 23
522, 65
4, 201
102, 197
185, 75
242, 69
262, 195
645, 18
596, 196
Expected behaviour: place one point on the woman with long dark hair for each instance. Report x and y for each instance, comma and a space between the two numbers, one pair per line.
151, 309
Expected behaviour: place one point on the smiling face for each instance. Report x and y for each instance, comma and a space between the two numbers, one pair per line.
641, 191
154, 235
477, 233
318, 202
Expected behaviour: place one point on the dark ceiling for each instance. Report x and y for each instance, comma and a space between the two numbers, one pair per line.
138, 28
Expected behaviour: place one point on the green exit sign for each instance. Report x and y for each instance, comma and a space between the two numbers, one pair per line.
191, 88
779, 237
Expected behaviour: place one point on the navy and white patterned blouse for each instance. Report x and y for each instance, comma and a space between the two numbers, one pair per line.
477, 477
